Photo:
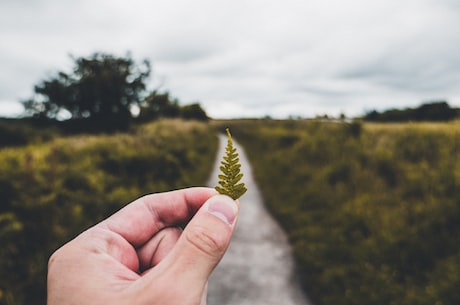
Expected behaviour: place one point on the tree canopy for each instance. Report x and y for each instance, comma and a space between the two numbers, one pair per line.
101, 87
101, 94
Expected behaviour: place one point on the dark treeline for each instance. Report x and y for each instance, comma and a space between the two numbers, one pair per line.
103, 93
434, 111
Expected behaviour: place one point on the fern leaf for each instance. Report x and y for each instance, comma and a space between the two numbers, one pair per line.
230, 168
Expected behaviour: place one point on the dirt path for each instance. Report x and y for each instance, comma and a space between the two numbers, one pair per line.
258, 267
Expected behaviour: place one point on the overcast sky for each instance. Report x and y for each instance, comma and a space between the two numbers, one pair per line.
246, 58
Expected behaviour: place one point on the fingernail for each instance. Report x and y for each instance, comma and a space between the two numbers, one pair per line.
224, 208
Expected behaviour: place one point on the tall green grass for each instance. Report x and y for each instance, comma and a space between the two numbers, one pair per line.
372, 210
50, 192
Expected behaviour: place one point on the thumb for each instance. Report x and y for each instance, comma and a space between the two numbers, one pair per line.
207, 236
201, 245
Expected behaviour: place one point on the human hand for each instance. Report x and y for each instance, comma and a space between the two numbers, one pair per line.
140, 256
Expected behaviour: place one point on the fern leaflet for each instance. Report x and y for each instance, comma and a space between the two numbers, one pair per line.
231, 175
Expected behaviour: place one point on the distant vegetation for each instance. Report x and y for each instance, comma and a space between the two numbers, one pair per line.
103, 93
52, 190
435, 111
19, 132
372, 210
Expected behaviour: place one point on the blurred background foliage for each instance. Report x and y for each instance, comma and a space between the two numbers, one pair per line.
102, 92
372, 210
57, 186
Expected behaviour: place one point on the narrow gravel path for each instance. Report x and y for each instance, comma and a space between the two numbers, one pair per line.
258, 268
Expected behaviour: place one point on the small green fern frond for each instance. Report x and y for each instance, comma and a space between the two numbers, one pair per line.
230, 168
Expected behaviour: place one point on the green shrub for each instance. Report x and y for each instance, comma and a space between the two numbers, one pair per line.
20, 132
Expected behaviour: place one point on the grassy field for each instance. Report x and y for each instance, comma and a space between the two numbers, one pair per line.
372, 210
52, 190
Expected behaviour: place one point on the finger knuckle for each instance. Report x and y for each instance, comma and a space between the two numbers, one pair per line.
206, 241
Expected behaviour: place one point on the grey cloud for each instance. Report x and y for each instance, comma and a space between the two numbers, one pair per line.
426, 74
248, 56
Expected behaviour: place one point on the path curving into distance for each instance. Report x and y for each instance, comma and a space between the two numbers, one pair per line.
258, 268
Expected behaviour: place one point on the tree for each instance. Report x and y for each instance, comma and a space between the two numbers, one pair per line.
101, 87
194, 112
158, 105
435, 111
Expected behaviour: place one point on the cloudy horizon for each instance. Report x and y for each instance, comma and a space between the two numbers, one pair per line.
248, 58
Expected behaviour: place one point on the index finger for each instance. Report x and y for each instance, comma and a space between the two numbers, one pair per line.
140, 220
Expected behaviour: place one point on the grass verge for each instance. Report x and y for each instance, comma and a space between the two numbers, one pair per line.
372, 210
